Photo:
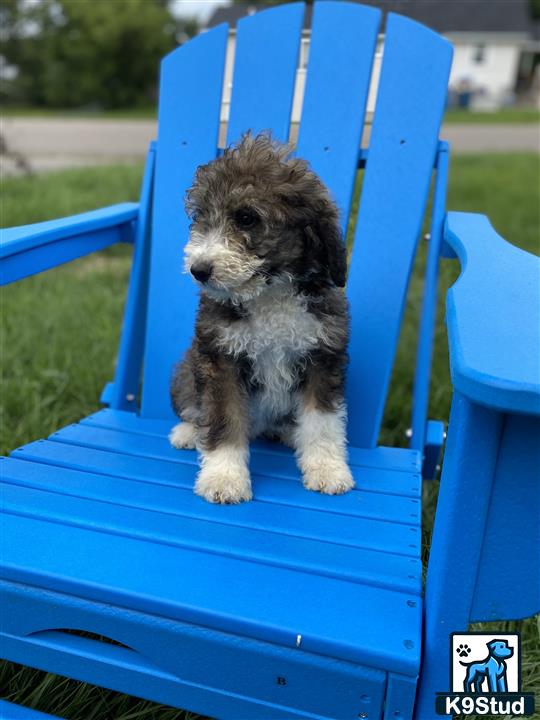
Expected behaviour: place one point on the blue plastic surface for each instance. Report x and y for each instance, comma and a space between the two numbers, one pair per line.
404, 139
434, 437
400, 696
27, 237
135, 502
508, 580
267, 49
10, 711
337, 81
30, 249
422, 374
123, 393
486, 539
184, 665
493, 317
380, 457
358, 531
470, 460
188, 124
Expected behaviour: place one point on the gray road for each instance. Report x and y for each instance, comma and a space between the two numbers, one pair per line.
50, 143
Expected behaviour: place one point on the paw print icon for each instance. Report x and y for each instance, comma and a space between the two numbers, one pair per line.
463, 650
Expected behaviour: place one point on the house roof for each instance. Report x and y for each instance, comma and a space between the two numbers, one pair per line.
444, 16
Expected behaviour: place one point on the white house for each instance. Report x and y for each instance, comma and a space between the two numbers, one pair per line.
496, 59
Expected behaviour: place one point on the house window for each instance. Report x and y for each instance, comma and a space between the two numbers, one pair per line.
479, 54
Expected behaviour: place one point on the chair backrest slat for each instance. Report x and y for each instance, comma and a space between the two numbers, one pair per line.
267, 48
409, 109
341, 53
189, 109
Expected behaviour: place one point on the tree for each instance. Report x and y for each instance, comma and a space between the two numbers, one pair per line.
73, 53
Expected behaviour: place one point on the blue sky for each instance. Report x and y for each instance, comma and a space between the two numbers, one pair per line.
200, 8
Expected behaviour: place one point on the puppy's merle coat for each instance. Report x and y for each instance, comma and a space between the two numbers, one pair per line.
270, 347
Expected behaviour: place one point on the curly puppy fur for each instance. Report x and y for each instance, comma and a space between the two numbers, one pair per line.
270, 347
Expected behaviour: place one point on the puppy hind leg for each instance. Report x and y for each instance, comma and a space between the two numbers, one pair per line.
183, 436
184, 401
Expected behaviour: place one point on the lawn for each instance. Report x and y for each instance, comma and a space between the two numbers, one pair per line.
142, 113
59, 334
505, 116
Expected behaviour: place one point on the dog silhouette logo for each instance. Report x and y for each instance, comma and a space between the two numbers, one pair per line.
485, 677
483, 663
492, 668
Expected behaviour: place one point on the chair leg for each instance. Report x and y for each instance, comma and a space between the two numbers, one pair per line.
464, 496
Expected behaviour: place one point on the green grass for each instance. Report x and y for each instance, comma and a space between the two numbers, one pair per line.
138, 113
504, 187
506, 116
59, 338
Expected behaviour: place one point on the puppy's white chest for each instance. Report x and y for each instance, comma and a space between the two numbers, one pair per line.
277, 324
276, 335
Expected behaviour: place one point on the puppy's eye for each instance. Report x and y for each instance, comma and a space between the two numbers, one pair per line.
245, 218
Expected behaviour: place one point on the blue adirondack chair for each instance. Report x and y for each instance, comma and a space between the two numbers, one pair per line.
295, 605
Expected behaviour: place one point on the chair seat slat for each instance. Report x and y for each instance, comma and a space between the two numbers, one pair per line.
118, 505
238, 596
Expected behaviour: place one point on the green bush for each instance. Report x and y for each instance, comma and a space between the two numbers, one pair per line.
98, 54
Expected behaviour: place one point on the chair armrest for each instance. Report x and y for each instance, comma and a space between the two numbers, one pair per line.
29, 249
493, 317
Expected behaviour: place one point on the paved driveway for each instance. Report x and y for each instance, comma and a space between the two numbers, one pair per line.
50, 143
467, 138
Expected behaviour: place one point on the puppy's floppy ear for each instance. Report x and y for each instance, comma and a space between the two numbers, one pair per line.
311, 207
325, 240
334, 247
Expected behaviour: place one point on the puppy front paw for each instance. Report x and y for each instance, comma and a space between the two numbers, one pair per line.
329, 478
183, 436
226, 486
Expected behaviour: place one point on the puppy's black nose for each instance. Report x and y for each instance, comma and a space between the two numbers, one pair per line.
201, 271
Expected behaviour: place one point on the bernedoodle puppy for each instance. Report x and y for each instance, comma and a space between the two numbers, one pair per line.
270, 347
